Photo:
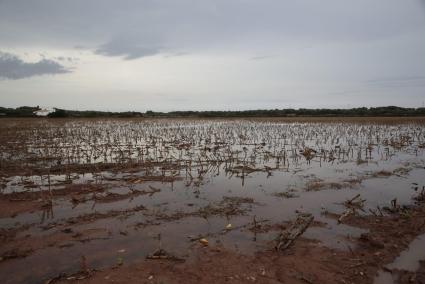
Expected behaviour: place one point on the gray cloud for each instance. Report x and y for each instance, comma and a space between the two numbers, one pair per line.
398, 82
12, 67
127, 49
66, 58
325, 52
262, 57
397, 79
147, 26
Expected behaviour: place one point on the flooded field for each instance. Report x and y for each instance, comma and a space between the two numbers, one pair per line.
80, 197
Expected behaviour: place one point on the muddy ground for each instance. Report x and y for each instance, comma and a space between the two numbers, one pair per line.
332, 204
304, 262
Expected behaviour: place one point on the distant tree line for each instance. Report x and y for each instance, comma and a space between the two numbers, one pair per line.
92, 113
362, 111
27, 111
23, 111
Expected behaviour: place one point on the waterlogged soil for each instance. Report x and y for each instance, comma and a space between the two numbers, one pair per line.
182, 201
307, 261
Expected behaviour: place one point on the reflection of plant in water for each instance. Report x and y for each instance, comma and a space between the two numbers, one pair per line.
168, 149
234, 143
47, 211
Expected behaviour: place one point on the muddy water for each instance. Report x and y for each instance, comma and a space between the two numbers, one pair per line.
408, 260
274, 197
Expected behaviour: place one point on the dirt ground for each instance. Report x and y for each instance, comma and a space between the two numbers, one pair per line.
306, 261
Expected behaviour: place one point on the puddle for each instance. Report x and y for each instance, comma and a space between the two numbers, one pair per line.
408, 260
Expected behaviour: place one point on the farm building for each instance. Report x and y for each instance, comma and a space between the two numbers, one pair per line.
43, 111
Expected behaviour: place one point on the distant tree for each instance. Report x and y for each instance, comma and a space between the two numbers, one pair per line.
58, 113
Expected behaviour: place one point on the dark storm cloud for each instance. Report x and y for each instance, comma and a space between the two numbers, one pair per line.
12, 67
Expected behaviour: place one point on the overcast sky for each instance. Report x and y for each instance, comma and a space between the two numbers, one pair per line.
211, 54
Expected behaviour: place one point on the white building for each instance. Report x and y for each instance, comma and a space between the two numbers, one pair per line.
43, 111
